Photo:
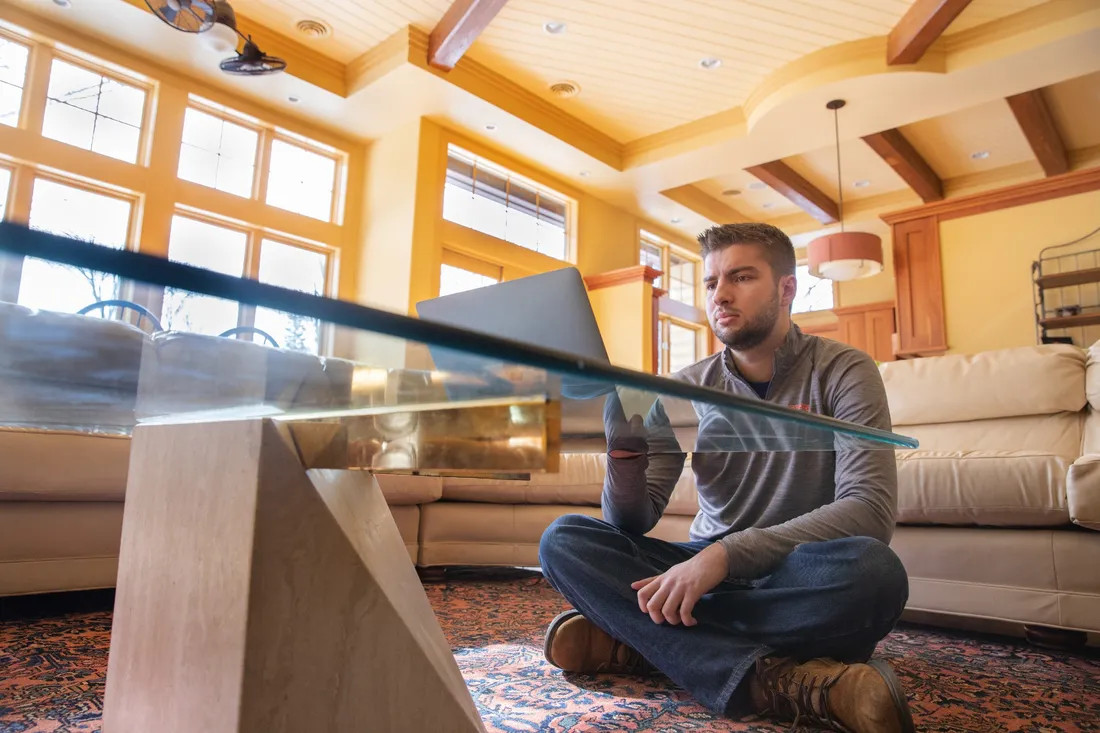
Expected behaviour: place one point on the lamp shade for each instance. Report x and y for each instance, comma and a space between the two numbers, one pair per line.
845, 256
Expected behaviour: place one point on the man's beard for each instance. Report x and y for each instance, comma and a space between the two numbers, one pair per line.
755, 331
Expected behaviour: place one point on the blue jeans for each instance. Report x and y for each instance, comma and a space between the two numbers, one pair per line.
826, 599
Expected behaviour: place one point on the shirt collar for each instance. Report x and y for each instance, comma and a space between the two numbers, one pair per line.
785, 356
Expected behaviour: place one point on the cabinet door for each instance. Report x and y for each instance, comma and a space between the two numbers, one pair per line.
880, 331
852, 330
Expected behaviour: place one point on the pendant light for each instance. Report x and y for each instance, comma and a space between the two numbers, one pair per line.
844, 255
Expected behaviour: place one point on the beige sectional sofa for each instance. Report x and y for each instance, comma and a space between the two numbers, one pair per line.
999, 510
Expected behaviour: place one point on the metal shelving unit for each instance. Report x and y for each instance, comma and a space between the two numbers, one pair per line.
1066, 280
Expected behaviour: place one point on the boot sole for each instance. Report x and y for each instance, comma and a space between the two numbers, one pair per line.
897, 692
552, 629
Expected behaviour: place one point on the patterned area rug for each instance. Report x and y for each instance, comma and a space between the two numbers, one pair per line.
52, 673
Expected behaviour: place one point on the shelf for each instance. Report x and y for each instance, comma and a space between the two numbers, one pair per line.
1085, 319
1074, 277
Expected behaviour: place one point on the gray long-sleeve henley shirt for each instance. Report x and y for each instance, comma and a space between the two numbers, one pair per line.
761, 505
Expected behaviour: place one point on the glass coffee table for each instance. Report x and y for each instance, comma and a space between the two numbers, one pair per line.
262, 582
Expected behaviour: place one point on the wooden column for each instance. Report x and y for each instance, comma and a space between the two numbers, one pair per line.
640, 277
919, 282
257, 597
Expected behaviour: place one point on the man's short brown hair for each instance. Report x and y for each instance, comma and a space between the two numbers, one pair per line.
776, 246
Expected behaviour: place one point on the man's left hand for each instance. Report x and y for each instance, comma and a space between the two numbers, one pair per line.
672, 595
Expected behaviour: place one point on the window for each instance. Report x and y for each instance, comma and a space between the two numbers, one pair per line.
301, 180
224, 249
94, 112
81, 214
461, 272
216, 248
681, 279
683, 346
13, 74
496, 202
813, 294
218, 153
681, 326
679, 268
456, 280
652, 256
298, 269
679, 344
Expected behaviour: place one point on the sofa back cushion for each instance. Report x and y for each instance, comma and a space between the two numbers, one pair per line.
64, 371
1030, 380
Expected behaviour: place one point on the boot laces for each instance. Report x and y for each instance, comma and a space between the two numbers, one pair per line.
633, 662
792, 692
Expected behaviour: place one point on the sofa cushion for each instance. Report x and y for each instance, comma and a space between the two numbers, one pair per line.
1083, 491
185, 372
1059, 434
62, 466
982, 488
61, 370
578, 482
404, 490
1030, 380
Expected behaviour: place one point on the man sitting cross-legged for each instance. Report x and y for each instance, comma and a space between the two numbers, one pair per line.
787, 585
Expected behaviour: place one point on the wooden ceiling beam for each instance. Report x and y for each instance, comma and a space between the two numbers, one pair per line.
694, 198
1034, 118
801, 192
918, 29
458, 29
900, 155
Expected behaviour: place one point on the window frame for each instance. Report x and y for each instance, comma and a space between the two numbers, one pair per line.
11, 37
666, 249
509, 175
691, 316
664, 341
338, 204
253, 251
56, 52
259, 166
12, 269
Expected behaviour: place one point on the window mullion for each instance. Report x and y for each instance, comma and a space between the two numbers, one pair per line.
36, 87
263, 164
19, 210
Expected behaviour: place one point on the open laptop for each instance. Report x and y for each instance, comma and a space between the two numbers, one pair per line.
551, 310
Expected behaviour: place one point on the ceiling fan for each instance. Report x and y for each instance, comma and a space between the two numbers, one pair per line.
217, 21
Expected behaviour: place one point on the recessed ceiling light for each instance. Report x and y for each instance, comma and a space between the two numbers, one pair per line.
758, 185
862, 184
710, 63
63, 3
732, 192
554, 27
565, 89
293, 100
980, 155
490, 127
585, 174
767, 205
313, 29
675, 220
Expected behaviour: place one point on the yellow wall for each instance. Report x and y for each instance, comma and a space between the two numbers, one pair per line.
986, 263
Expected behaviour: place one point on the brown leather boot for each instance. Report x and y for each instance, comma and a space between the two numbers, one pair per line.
575, 644
852, 698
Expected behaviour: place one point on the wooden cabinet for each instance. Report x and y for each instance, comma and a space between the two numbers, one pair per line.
868, 327
919, 282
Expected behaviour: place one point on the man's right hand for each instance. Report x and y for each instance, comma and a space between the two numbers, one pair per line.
626, 438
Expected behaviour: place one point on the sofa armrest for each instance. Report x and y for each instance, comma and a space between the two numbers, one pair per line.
1083, 491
